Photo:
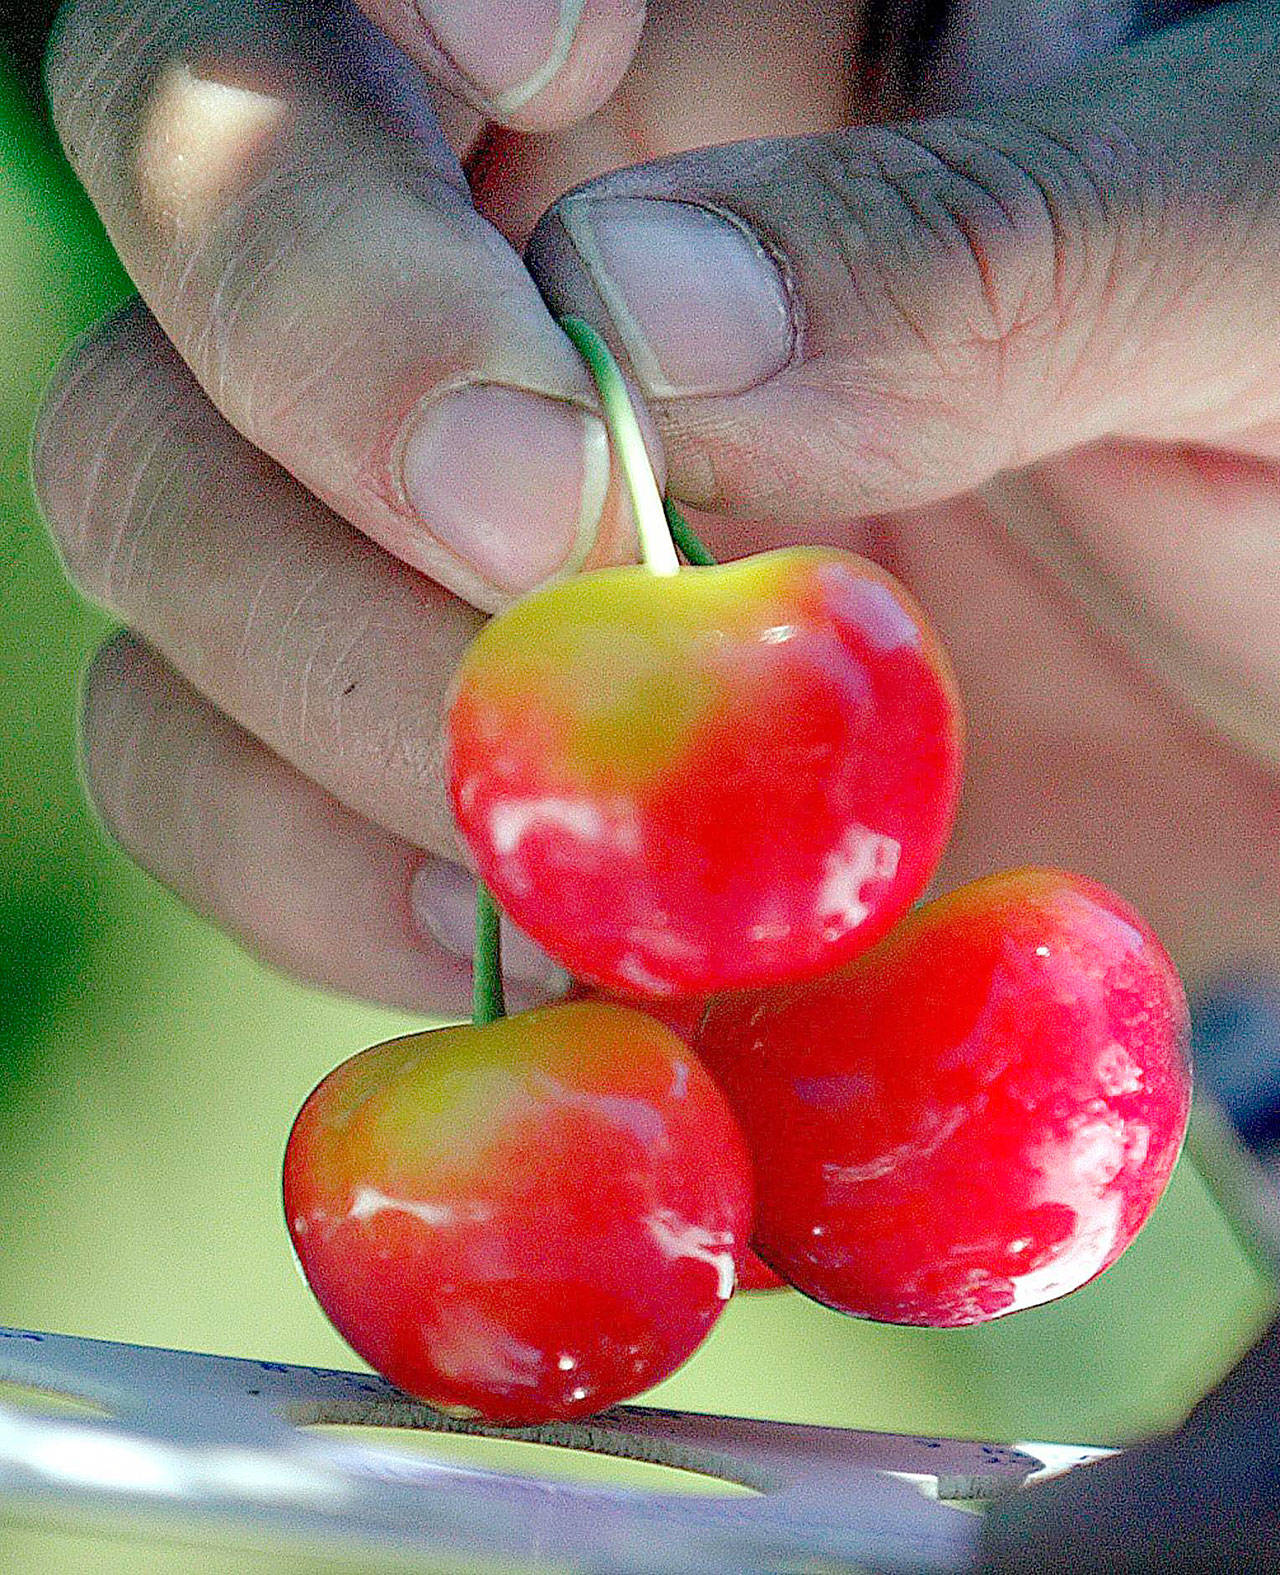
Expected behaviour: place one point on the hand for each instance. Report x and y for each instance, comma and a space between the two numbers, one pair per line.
1202, 1498
1022, 354
1031, 345
343, 400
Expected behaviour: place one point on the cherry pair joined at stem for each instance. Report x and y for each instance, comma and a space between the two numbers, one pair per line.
725, 777
737, 780
539, 1216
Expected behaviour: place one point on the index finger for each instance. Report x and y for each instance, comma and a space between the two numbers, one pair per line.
274, 181
531, 64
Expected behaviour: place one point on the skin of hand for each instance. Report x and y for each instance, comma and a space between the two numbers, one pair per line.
1004, 318
1201, 1499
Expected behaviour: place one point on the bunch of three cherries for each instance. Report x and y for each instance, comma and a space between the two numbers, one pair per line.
716, 796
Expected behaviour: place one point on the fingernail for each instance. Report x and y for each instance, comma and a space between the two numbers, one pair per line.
443, 899
696, 299
510, 482
509, 52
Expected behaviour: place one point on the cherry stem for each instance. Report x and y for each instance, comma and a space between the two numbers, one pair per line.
684, 538
662, 528
487, 1003
657, 550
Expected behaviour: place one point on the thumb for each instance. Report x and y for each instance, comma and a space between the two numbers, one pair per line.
889, 315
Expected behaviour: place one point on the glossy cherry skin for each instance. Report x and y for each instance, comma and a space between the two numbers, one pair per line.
682, 1015
973, 1118
730, 776
754, 1274
521, 1222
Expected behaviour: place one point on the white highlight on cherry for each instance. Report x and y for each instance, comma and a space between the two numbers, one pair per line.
680, 1239
862, 856
369, 1202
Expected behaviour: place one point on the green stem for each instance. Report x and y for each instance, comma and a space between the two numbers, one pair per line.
656, 547
487, 1004
661, 527
684, 538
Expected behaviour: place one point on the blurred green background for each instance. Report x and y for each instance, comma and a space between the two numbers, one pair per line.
149, 1071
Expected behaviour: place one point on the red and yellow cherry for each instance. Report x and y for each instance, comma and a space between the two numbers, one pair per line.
725, 777
975, 1117
525, 1221
682, 1015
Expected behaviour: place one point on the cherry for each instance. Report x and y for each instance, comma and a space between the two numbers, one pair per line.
682, 1015
729, 776
754, 1274
524, 1221
975, 1117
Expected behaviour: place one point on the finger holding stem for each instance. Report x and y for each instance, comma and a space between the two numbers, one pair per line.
657, 549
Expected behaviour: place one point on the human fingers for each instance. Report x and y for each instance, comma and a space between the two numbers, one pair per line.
332, 652
535, 64
889, 315
242, 837
752, 68
272, 177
